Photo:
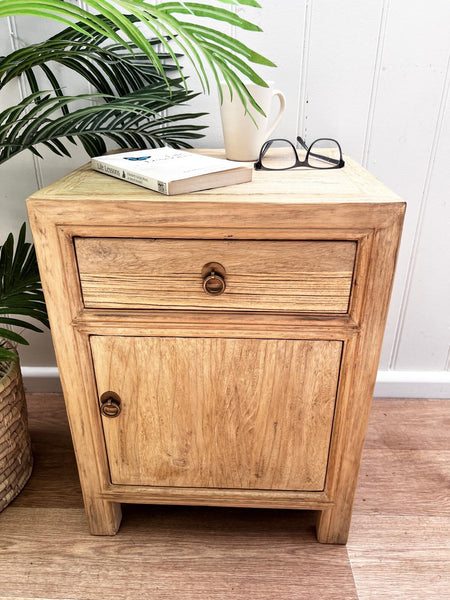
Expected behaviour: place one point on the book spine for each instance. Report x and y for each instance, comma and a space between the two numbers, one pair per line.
132, 177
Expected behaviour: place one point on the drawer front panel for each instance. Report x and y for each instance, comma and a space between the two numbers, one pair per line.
306, 276
218, 413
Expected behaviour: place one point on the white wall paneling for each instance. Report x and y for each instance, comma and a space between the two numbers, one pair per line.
406, 116
423, 325
374, 75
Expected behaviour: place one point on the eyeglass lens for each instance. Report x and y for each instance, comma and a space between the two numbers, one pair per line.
324, 154
280, 155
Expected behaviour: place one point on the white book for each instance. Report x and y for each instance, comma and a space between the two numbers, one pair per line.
171, 171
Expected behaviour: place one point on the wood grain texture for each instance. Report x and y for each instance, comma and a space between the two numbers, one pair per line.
357, 385
73, 357
350, 184
172, 552
425, 477
215, 324
399, 424
408, 450
399, 557
260, 275
220, 413
232, 497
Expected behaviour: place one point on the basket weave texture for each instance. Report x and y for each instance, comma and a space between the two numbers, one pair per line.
16, 459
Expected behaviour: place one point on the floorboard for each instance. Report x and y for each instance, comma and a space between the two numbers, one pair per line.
398, 546
404, 558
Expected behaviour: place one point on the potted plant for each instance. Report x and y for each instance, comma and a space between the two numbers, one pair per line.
132, 62
21, 298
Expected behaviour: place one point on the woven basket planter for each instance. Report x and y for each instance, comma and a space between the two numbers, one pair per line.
16, 460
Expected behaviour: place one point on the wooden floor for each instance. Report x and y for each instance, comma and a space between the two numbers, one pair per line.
399, 545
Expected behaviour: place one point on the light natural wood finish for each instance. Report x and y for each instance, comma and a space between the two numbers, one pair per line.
218, 413
134, 324
244, 498
351, 184
409, 425
167, 552
342, 209
399, 558
260, 275
74, 362
425, 476
356, 388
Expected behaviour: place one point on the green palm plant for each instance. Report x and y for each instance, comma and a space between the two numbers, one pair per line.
136, 77
20, 295
128, 106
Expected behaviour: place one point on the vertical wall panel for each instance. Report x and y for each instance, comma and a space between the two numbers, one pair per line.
424, 338
342, 56
408, 96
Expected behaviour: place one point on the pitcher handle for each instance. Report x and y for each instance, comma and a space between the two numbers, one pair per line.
280, 111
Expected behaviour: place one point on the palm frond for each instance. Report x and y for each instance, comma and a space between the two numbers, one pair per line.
111, 69
124, 79
20, 293
163, 22
133, 120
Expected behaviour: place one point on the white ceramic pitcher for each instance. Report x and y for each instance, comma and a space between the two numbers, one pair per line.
243, 139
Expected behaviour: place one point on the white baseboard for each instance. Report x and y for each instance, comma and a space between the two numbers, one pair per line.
412, 384
41, 379
390, 384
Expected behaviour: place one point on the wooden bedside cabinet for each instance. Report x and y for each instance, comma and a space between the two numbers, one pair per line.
219, 348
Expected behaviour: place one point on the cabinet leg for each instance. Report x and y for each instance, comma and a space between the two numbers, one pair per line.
333, 525
103, 517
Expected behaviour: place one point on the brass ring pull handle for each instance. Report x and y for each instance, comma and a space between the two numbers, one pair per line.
214, 284
110, 405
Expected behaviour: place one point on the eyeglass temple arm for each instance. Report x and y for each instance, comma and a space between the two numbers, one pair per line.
302, 142
264, 149
335, 161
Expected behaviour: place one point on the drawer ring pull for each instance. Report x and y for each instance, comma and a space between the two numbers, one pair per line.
110, 405
214, 284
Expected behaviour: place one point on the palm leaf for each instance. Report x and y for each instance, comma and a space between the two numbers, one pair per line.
133, 120
125, 79
162, 22
110, 69
20, 293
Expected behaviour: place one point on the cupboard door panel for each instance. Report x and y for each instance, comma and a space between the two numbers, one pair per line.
216, 412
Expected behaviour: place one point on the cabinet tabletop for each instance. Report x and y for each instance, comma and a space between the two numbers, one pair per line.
351, 184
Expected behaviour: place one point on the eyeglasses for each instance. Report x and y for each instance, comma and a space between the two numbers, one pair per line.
280, 154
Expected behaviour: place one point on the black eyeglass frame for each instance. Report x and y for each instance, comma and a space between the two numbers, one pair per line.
336, 163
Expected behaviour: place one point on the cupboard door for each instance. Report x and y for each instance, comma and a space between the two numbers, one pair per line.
218, 412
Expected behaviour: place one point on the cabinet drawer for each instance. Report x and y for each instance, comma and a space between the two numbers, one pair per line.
307, 276
221, 413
